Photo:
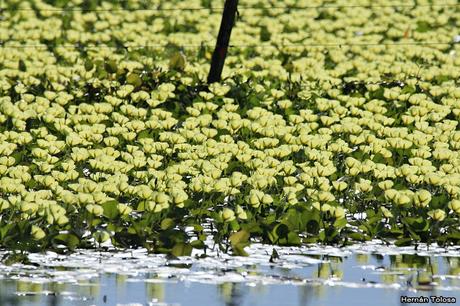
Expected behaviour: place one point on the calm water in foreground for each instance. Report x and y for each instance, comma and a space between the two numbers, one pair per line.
365, 274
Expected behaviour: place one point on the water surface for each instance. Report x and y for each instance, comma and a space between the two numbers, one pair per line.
366, 274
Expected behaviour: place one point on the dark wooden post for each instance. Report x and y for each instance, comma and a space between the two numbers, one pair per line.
220, 52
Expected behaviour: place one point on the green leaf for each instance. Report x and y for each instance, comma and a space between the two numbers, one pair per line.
134, 79
408, 90
265, 34
69, 240
96, 222
411, 230
252, 227
238, 250
313, 227
198, 227
310, 240
5, 229
378, 94
110, 66
375, 219
281, 230
239, 237
443, 78
141, 206
423, 26
101, 236
60, 3
102, 74
293, 238
18, 156
358, 237
454, 236
172, 237
439, 201
22, 65
197, 244
182, 249
167, 224
341, 223
378, 158
113, 227
269, 219
110, 209
293, 219
177, 61
144, 134
396, 231
403, 242
331, 233
31, 184
89, 65
322, 235
418, 224
234, 225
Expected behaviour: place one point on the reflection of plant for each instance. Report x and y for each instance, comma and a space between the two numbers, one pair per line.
229, 293
155, 291
419, 271
454, 267
28, 287
330, 269
297, 145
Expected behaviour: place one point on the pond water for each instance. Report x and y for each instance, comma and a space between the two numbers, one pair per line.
365, 274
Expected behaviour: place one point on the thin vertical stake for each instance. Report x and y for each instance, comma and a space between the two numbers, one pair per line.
223, 39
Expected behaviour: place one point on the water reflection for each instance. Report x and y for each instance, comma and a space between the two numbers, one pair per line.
330, 268
306, 294
297, 278
155, 292
231, 293
89, 288
27, 293
362, 258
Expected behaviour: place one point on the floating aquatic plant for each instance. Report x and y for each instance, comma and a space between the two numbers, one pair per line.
298, 144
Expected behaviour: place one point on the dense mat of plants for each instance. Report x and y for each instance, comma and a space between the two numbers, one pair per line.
108, 130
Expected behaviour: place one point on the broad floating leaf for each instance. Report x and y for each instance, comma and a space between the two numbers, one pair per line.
133, 79
177, 61
182, 249
69, 240
111, 66
110, 209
